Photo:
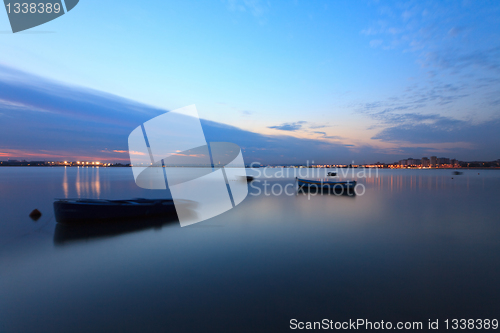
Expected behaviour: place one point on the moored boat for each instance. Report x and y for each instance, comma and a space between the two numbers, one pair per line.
78, 211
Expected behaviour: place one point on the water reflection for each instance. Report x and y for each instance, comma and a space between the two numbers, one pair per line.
431, 181
87, 182
97, 184
417, 245
77, 184
69, 234
84, 219
325, 191
65, 183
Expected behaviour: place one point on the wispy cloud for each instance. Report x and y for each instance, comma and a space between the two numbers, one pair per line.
445, 36
289, 126
325, 136
405, 120
487, 59
455, 31
318, 126
257, 8
20, 91
482, 137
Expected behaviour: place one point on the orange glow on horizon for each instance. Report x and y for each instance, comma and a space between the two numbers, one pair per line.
33, 155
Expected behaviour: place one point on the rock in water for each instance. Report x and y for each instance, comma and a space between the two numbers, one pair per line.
35, 215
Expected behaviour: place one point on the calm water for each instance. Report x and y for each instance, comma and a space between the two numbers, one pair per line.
417, 245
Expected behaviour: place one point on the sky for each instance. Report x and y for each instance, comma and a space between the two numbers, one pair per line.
333, 81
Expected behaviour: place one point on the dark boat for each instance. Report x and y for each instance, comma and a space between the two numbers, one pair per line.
81, 211
325, 186
457, 173
331, 174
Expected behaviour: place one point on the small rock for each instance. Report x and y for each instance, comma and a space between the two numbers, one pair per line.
35, 215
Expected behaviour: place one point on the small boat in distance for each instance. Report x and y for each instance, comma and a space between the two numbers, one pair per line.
81, 211
322, 184
457, 173
331, 174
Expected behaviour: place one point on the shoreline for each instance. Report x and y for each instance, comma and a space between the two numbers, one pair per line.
263, 167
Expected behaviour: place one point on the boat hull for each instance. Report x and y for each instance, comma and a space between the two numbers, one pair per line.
321, 186
75, 211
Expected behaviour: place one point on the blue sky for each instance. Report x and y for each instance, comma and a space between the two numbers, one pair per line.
372, 80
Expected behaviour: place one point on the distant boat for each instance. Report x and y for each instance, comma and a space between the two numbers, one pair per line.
80, 211
331, 174
457, 173
322, 184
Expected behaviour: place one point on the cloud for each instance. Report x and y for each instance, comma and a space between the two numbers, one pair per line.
132, 152
323, 135
455, 31
440, 34
20, 91
44, 119
462, 78
289, 126
318, 126
369, 31
437, 129
394, 31
80, 123
376, 42
406, 15
257, 8
480, 140
418, 128
438, 96
406, 120
486, 59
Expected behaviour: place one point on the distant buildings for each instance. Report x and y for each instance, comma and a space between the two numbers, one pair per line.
411, 162
433, 161
59, 163
441, 162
